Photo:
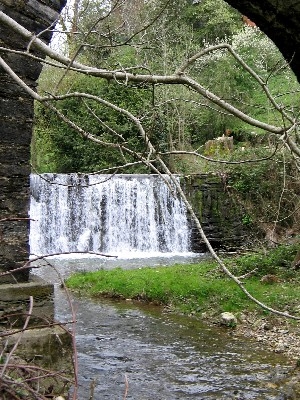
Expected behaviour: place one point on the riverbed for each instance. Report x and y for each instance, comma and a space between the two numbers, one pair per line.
143, 352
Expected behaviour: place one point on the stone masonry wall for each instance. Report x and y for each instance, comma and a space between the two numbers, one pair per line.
16, 122
220, 216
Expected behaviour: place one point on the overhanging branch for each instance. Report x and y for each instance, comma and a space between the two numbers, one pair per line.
177, 78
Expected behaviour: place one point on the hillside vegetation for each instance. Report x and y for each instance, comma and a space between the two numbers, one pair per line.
174, 117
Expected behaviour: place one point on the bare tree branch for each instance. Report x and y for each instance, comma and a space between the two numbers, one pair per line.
176, 78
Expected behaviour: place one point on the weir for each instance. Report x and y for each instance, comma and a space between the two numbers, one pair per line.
116, 214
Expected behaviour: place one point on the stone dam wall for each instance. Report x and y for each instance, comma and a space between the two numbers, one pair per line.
220, 215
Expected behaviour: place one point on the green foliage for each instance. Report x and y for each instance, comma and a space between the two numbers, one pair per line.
231, 82
212, 19
247, 219
268, 189
57, 147
255, 182
174, 117
276, 261
170, 285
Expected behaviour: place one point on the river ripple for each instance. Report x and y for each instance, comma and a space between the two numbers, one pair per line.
163, 356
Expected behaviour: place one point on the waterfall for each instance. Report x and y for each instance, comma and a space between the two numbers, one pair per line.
113, 214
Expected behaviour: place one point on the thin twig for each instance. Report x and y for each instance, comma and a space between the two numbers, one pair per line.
19, 337
126, 387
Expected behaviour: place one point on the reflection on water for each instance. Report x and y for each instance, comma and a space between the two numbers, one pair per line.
163, 356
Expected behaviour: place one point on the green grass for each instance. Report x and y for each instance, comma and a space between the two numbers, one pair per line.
197, 288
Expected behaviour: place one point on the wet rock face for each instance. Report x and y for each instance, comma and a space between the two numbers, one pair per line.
16, 122
221, 217
15, 303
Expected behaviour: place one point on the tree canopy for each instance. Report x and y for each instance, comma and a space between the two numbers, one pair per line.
157, 38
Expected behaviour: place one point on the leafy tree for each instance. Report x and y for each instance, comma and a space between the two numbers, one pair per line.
56, 147
172, 36
212, 20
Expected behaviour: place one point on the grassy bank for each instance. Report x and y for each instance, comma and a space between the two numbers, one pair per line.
202, 287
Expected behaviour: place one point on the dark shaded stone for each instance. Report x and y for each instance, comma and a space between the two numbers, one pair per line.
14, 302
24, 66
220, 216
16, 123
15, 131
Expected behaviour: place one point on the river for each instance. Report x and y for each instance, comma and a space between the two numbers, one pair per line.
161, 355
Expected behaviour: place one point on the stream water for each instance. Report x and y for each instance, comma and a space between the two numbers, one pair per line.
161, 355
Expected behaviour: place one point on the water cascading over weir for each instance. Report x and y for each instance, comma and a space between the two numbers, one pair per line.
115, 214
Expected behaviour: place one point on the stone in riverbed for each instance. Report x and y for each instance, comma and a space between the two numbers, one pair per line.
228, 319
